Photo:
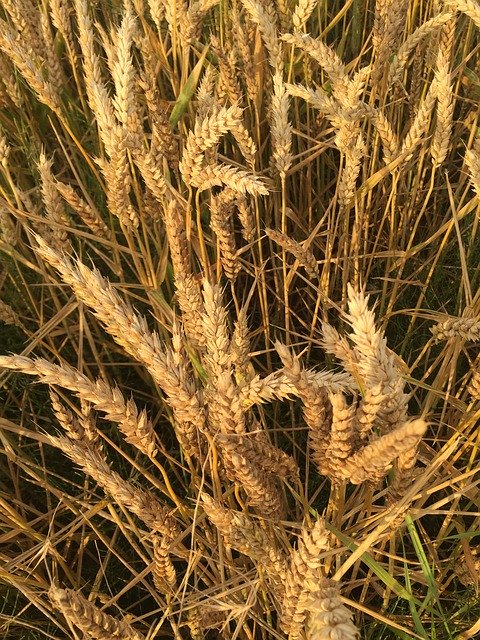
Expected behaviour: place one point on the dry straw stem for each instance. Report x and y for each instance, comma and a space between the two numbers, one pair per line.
141, 503
133, 423
303, 575
304, 256
242, 533
129, 330
464, 328
328, 616
371, 463
93, 622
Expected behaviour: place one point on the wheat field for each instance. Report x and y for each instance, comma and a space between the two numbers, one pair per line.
239, 311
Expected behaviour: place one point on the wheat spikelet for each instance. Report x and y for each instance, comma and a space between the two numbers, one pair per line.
246, 57
374, 363
132, 422
393, 18
338, 346
303, 574
350, 142
93, 622
404, 470
371, 463
129, 330
228, 78
118, 179
76, 429
221, 210
8, 231
280, 127
206, 134
242, 533
29, 67
261, 488
474, 386
302, 13
264, 16
224, 175
90, 216
164, 574
9, 82
55, 209
468, 7
60, 11
123, 74
472, 160
4, 149
141, 503
367, 413
328, 616
421, 32
304, 256
464, 328
342, 436
8, 315
326, 58
97, 94
55, 71
444, 91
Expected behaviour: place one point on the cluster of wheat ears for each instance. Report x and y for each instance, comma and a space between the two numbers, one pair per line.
201, 203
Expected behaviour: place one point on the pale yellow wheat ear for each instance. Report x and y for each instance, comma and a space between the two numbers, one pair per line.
91, 620
328, 616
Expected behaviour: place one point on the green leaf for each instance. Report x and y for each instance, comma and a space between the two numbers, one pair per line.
187, 91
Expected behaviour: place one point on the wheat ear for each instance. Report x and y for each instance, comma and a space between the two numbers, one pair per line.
304, 572
91, 620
